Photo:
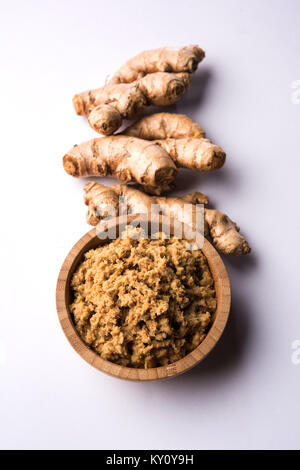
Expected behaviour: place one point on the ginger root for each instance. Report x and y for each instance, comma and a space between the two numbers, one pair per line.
222, 230
158, 77
152, 164
182, 138
109, 105
165, 59
195, 154
126, 158
160, 126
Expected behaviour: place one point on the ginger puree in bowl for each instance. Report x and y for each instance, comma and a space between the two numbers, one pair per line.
143, 303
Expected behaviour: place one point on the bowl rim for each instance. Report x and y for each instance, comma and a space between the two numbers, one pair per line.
222, 286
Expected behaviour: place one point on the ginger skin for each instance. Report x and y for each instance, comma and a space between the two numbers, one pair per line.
166, 59
195, 154
161, 126
182, 138
152, 164
126, 158
222, 230
109, 105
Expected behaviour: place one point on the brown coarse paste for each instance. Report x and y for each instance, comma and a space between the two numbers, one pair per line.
143, 303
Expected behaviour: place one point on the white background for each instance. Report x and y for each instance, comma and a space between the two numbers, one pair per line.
245, 395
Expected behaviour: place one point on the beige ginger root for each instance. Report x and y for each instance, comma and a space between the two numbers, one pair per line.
152, 164
126, 158
195, 154
182, 138
166, 59
160, 126
222, 230
109, 105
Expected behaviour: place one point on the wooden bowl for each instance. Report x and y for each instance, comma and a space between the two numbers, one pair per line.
63, 296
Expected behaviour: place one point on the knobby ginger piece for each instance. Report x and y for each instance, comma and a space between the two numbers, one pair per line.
182, 138
126, 158
165, 59
152, 164
222, 230
109, 105
161, 126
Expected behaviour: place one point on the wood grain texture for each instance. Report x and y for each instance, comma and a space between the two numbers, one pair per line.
63, 296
